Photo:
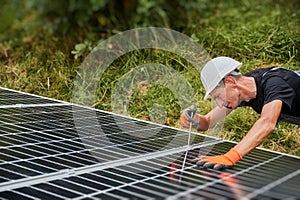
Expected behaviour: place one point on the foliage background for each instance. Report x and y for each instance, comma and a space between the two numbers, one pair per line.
42, 44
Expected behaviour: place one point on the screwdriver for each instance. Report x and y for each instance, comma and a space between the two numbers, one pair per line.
190, 113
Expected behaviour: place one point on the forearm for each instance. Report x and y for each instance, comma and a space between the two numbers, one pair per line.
257, 134
212, 118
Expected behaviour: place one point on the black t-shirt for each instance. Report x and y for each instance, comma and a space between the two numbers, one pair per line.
277, 84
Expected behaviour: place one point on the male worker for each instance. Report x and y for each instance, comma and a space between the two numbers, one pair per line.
272, 92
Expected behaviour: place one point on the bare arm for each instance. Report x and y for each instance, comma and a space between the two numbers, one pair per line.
261, 129
216, 115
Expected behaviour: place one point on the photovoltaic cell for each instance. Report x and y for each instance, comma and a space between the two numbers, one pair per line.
56, 150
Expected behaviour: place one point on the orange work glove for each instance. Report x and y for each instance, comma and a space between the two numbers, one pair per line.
224, 161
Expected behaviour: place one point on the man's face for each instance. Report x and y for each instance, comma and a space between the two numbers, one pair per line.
226, 95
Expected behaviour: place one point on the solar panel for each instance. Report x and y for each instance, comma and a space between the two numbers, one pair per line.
45, 154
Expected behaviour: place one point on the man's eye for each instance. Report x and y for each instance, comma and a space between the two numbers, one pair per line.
216, 97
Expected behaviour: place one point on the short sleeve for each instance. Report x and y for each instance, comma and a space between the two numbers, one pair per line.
278, 89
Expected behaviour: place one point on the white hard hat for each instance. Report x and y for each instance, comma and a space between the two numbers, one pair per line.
215, 70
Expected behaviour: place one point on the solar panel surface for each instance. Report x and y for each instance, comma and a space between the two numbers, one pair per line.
56, 150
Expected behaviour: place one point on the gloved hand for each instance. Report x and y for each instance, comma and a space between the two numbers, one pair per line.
224, 161
190, 113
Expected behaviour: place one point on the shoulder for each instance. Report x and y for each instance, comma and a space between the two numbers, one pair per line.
261, 75
273, 70
259, 72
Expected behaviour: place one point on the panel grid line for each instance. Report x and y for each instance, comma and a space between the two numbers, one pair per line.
87, 169
271, 185
31, 105
55, 149
220, 180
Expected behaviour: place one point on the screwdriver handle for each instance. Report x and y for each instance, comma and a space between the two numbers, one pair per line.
190, 113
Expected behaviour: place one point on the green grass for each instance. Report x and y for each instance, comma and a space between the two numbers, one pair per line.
258, 33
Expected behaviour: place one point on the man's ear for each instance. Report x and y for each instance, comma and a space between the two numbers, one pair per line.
230, 80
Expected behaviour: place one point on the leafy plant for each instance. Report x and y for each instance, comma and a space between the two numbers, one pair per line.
61, 16
82, 49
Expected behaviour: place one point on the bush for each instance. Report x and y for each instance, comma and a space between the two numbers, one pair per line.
104, 15
61, 16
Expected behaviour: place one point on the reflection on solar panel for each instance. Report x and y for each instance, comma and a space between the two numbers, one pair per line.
56, 150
